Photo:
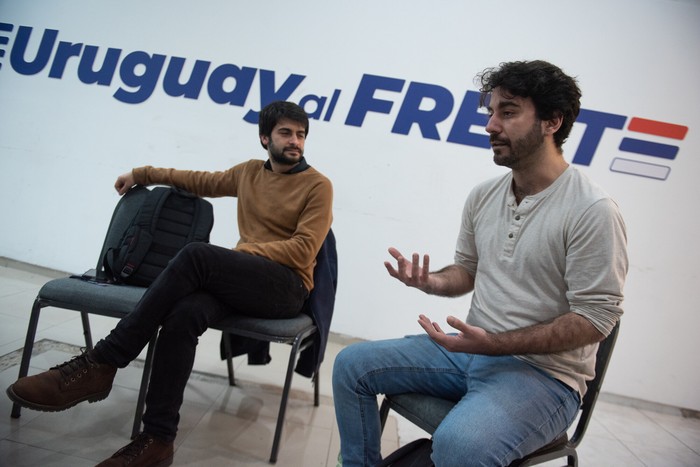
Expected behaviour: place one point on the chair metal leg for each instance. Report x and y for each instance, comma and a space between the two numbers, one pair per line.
145, 378
316, 387
229, 359
27, 351
285, 395
383, 413
86, 330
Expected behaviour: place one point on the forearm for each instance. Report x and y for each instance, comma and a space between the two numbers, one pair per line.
567, 332
201, 183
450, 281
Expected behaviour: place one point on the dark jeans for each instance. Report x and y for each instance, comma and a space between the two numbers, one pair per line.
202, 284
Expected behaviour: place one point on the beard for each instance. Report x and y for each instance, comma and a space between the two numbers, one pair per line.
516, 153
278, 154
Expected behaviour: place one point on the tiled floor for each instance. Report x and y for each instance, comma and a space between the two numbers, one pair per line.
233, 426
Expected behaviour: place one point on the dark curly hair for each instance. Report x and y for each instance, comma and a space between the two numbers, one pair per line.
275, 111
553, 92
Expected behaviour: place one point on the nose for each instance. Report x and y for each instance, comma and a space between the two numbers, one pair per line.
493, 126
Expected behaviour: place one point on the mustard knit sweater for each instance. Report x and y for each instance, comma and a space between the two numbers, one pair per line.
282, 216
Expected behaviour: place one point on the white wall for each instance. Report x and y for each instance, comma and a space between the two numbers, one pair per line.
63, 142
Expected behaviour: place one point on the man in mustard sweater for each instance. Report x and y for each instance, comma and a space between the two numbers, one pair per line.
284, 215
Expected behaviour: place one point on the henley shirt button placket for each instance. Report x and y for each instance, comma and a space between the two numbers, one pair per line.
517, 218
509, 245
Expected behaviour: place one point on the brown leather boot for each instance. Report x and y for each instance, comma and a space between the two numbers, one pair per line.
63, 386
143, 451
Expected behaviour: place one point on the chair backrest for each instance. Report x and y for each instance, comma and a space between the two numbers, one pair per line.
603, 355
124, 212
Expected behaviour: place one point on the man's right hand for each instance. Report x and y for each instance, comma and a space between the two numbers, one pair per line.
410, 273
124, 183
450, 281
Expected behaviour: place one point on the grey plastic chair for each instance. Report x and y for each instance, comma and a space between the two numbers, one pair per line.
89, 296
300, 332
427, 411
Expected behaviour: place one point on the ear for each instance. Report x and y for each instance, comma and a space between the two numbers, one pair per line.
552, 125
264, 140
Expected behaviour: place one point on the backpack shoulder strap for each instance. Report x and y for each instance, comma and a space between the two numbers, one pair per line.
203, 221
123, 261
147, 218
202, 217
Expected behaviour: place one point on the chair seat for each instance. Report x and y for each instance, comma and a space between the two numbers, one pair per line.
276, 330
554, 446
99, 298
424, 411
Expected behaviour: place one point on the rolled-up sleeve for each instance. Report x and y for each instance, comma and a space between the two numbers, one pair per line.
597, 264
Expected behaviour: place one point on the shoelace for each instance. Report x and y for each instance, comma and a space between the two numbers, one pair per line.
134, 449
74, 368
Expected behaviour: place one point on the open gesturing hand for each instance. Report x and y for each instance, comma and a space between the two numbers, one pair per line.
411, 272
469, 339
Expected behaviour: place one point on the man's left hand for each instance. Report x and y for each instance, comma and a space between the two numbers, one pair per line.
470, 339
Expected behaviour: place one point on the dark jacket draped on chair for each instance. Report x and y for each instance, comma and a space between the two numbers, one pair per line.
319, 306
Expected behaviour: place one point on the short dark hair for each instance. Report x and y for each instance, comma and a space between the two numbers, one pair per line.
553, 92
275, 111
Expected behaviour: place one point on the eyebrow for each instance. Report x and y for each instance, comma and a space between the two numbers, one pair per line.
287, 129
505, 103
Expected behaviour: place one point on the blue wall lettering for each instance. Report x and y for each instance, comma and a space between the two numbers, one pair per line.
426, 120
423, 105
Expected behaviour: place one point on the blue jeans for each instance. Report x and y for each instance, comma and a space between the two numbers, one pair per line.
201, 285
506, 410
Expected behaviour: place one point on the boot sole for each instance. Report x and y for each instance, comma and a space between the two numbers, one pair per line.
54, 408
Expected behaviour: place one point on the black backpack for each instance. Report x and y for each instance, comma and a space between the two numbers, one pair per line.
168, 219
